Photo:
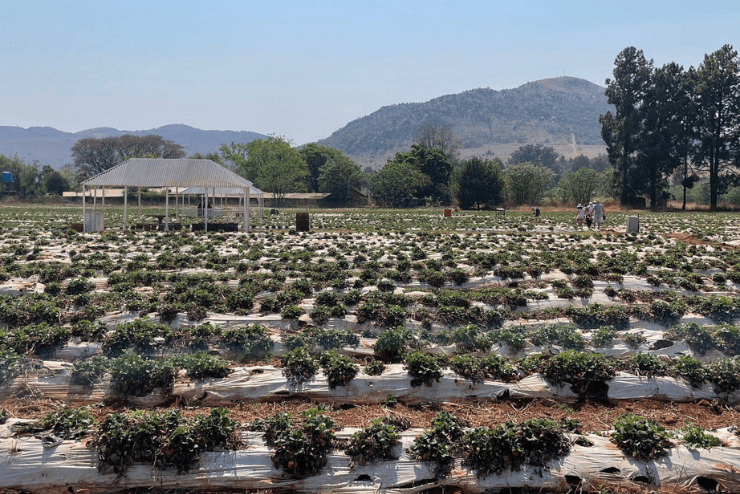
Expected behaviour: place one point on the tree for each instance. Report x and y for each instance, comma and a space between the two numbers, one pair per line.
339, 175
213, 156
480, 183
316, 157
538, 155
620, 130
272, 164
440, 137
718, 119
658, 152
526, 182
581, 185
398, 184
434, 164
51, 181
93, 155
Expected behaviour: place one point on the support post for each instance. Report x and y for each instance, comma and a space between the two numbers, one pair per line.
138, 193
205, 210
84, 225
246, 218
125, 208
177, 192
167, 209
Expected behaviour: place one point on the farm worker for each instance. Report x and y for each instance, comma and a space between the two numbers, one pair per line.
580, 215
589, 217
598, 213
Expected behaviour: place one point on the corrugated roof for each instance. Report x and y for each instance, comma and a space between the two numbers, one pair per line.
149, 172
223, 191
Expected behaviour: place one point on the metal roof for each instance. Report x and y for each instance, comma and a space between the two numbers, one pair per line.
149, 172
223, 191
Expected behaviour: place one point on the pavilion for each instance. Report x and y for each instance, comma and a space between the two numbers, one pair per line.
164, 173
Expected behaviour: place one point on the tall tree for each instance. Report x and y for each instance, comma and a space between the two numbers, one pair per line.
538, 155
398, 184
718, 119
273, 165
316, 157
339, 176
93, 155
480, 183
658, 153
440, 137
581, 185
434, 164
620, 130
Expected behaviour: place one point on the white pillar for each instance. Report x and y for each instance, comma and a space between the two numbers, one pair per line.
138, 193
84, 229
125, 208
177, 191
167, 209
205, 210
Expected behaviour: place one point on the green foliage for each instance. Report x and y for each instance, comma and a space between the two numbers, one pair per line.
272, 426
470, 338
695, 437
478, 369
509, 446
513, 337
317, 340
339, 369
440, 443
724, 374
253, 340
392, 343
373, 443
690, 369
422, 368
88, 372
603, 336
299, 365
398, 184
564, 335
302, 451
199, 365
64, 422
644, 364
140, 335
634, 340
578, 369
374, 367
8, 362
161, 439
133, 375
526, 183
640, 438
479, 183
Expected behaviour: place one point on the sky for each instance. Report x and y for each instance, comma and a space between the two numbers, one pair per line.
303, 69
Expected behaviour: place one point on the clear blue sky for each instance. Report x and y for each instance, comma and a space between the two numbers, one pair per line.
303, 69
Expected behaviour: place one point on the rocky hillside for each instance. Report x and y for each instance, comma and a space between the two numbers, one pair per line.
52, 147
561, 112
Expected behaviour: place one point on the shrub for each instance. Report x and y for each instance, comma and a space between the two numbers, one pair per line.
440, 443
298, 365
64, 422
634, 340
78, 286
319, 339
578, 369
373, 443
339, 369
469, 339
640, 438
565, 335
666, 312
88, 372
272, 426
391, 343
423, 368
724, 374
513, 337
644, 364
603, 336
690, 369
253, 340
291, 311
374, 367
301, 452
134, 376
697, 337
201, 365
509, 446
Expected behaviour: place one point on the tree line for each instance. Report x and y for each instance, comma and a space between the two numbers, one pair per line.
670, 121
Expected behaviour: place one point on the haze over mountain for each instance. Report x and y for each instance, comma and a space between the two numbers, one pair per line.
52, 147
562, 112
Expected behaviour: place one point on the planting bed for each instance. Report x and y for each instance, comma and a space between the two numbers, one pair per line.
473, 330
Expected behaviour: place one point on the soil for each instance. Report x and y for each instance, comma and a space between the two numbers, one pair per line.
593, 416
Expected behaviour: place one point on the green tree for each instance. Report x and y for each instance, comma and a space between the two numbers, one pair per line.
213, 156
398, 184
620, 130
25, 177
339, 175
316, 157
434, 164
581, 185
525, 182
273, 165
433, 136
538, 155
479, 183
718, 119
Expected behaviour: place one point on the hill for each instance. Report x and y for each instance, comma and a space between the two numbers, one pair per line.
562, 112
52, 147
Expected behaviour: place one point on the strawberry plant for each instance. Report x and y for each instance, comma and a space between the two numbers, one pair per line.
375, 442
640, 438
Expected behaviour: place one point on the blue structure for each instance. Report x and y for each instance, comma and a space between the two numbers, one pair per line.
7, 177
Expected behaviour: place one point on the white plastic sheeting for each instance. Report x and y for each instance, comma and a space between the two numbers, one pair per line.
25, 464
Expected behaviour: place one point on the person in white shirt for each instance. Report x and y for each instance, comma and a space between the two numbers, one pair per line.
580, 215
598, 214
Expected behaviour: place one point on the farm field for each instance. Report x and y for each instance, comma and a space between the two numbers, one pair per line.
384, 350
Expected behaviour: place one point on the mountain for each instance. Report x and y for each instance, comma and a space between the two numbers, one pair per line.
562, 112
52, 147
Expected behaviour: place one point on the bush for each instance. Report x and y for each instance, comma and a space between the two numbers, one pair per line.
513, 337
644, 364
440, 443
339, 369
134, 376
565, 335
423, 368
373, 443
697, 337
201, 365
392, 343
578, 369
301, 452
639, 437
252, 340
298, 365
88, 372
374, 367
603, 336
690, 369
724, 374
510, 445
